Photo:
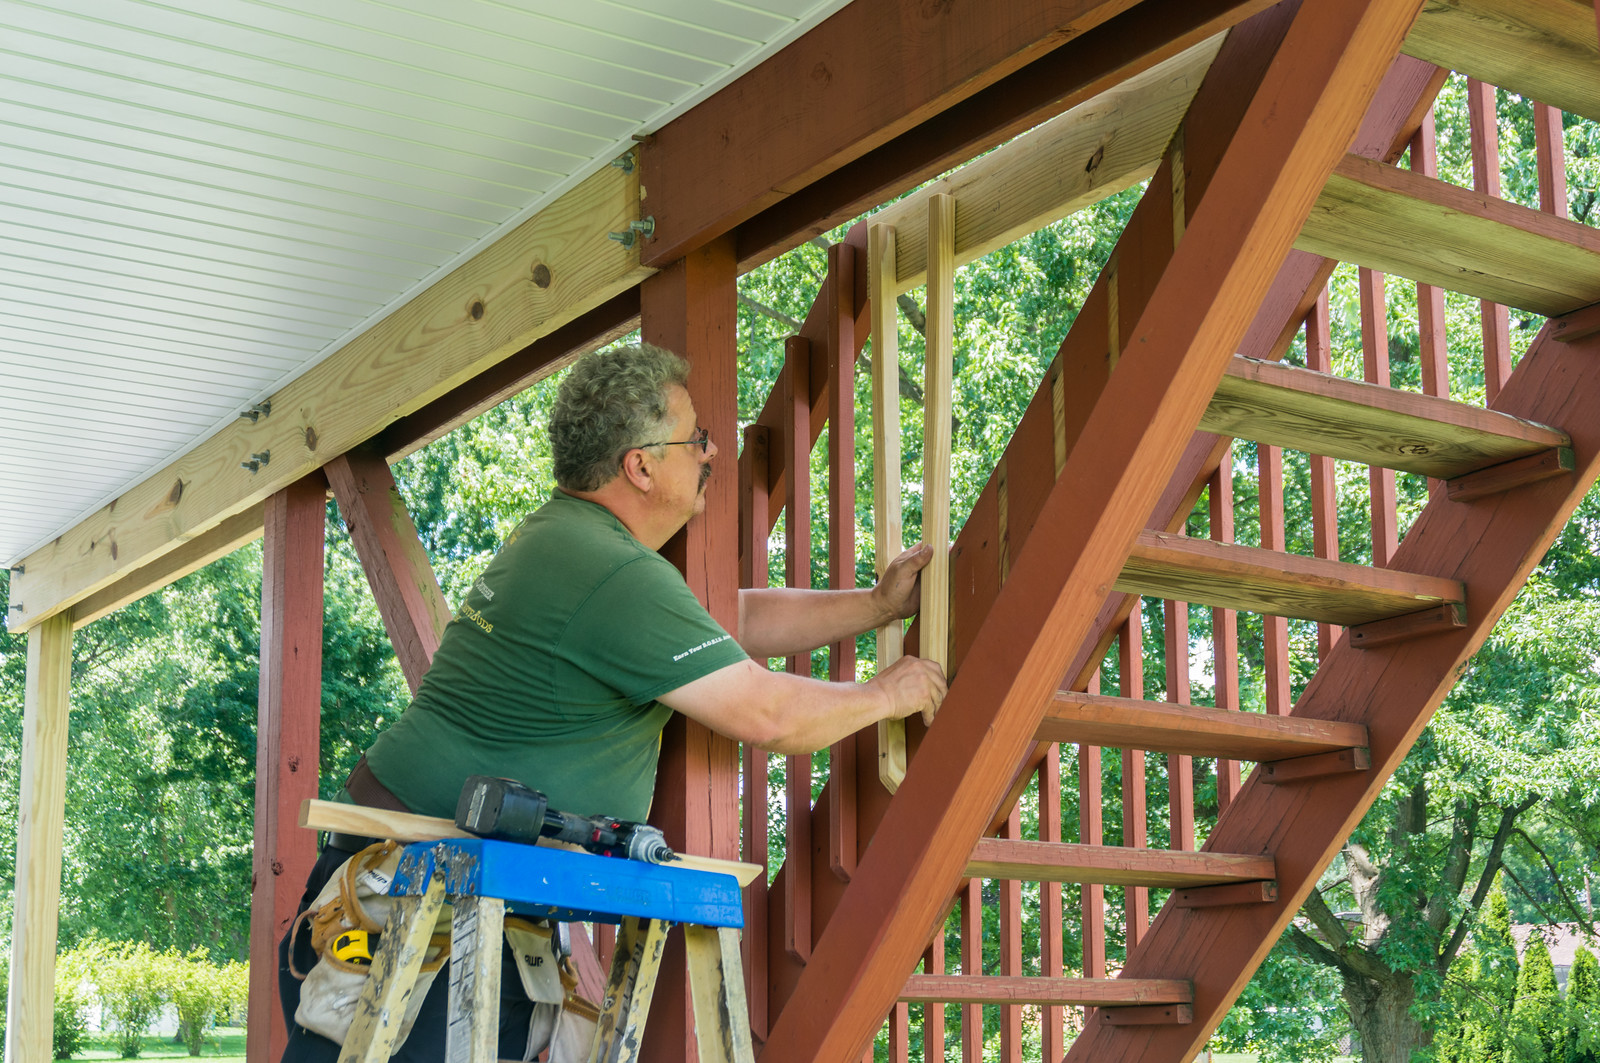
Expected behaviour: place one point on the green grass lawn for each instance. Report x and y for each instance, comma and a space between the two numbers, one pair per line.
225, 1042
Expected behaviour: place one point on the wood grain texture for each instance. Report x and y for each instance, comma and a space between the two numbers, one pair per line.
933, 618
472, 1030
1399, 222
635, 968
1060, 992
1259, 581
888, 535
380, 1009
1543, 49
716, 981
413, 356
1111, 865
1199, 730
838, 292
36, 896
1518, 472
1356, 421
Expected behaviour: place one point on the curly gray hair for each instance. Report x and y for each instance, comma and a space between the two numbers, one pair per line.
610, 401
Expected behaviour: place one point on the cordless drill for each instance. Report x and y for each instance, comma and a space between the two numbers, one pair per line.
507, 810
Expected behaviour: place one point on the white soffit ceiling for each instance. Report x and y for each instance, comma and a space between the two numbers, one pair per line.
199, 199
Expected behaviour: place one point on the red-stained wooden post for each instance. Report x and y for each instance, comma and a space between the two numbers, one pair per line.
1486, 179
1324, 484
1180, 766
753, 572
1375, 365
1011, 948
1050, 915
1274, 629
839, 294
1432, 346
288, 740
1224, 624
402, 579
1130, 684
1551, 151
972, 964
933, 1014
690, 308
797, 573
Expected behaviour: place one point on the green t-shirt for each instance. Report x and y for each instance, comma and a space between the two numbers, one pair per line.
549, 671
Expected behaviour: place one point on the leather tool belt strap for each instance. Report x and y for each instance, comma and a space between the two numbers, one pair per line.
364, 789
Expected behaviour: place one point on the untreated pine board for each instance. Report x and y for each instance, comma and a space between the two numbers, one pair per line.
1200, 731
1544, 49
1278, 584
1022, 989
1112, 865
547, 271
1349, 419
1396, 221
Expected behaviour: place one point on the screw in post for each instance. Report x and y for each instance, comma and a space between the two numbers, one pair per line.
645, 226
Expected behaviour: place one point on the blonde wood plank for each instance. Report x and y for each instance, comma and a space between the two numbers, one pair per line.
1396, 221
1024, 989
40, 812
716, 981
472, 1031
887, 531
634, 966
1286, 406
1168, 727
381, 1007
1543, 49
1111, 864
479, 314
934, 616
1095, 150
1277, 584
409, 827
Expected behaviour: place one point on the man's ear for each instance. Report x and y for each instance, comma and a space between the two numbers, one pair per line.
637, 470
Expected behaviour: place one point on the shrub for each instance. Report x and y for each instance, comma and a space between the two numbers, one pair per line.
234, 978
129, 979
70, 1027
195, 987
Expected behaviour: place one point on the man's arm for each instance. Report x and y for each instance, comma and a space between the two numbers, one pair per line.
796, 714
780, 621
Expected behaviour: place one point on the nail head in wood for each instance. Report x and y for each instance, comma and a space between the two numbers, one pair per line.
1441, 618
1316, 766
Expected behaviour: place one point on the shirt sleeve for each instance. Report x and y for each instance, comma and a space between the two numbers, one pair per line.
643, 632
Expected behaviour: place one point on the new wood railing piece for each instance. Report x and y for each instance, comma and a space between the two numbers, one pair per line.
934, 616
886, 524
1164, 726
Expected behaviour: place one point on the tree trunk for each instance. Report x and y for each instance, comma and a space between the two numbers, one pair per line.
1380, 1010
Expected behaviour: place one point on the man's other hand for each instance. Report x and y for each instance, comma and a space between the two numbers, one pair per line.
899, 592
912, 685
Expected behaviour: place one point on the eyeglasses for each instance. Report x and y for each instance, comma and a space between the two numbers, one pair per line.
701, 439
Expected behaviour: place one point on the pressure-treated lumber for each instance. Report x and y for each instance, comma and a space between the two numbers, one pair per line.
882, 241
1544, 49
1249, 187
1545, 465
36, 898
409, 827
1266, 581
1164, 726
1021, 989
1112, 865
933, 618
487, 309
1396, 221
1349, 419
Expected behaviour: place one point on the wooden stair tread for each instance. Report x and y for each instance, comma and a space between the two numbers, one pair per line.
1399, 222
1230, 576
1544, 49
1301, 409
1023, 989
1112, 865
1197, 730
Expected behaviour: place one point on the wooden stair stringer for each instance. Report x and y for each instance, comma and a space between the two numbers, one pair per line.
1491, 545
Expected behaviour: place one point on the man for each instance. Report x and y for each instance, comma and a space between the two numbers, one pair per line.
579, 640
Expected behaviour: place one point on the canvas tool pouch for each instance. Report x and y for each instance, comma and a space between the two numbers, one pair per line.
356, 898
562, 1019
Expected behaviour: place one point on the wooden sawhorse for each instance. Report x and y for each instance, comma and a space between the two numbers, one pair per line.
481, 877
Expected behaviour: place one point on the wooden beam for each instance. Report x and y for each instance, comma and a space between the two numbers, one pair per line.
484, 311
1112, 865
1266, 581
41, 809
1400, 222
402, 579
1200, 731
288, 737
1543, 49
1349, 419
1282, 101
1059, 992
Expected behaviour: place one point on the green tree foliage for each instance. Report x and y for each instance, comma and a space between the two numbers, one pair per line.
1535, 1031
1582, 1035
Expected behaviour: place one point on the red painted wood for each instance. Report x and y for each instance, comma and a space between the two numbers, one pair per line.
1486, 179
403, 583
1010, 891
753, 572
690, 308
797, 573
288, 739
900, 1032
1550, 151
591, 976
838, 293
1491, 546
1432, 344
1051, 959
1130, 667
1274, 629
1180, 766
1375, 366
1324, 484
933, 1013
972, 964
1255, 182
1224, 624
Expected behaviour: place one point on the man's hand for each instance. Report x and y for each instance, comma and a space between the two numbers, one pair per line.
899, 592
912, 685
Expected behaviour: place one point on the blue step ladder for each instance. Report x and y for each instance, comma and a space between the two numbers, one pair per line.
481, 879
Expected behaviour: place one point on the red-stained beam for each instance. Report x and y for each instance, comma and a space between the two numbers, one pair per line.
1262, 138
1491, 546
884, 94
288, 737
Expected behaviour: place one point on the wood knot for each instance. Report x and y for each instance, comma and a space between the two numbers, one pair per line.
311, 438
176, 494
476, 310
1095, 160
541, 275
